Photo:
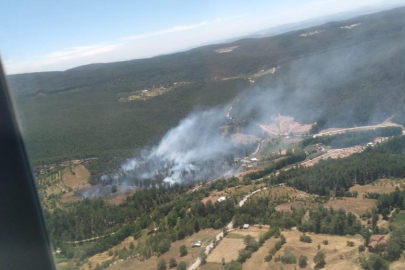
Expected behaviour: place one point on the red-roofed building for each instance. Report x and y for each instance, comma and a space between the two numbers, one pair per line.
376, 240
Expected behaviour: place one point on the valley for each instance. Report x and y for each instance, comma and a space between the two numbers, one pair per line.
279, 152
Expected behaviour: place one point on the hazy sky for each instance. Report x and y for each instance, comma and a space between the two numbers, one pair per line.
45, 35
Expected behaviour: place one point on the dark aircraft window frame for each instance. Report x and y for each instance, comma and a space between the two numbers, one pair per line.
24, 241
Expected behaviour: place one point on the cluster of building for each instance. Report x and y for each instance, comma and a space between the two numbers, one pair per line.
249, 163
376, 240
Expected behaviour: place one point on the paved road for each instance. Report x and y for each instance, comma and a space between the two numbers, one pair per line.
197, 263
355, 128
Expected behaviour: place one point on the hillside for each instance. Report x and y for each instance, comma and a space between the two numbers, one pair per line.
339, 74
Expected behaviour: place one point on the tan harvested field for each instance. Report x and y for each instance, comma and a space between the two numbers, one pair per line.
381, 186
102, 257
357, 206
257, 260
205, 236
211, 266
79, 178
338, 254
398, 265
229, 247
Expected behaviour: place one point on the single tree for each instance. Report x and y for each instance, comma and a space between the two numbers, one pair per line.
203, 257
183, 251
182, 266
319, 260
172, 263
302, 261
161, 264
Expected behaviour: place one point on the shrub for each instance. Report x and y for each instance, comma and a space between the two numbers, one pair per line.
172, 263
302, 261
305, 238
325, 242
350, 243
183, 251
161, 264
288, 257
182, 266
319, 260
362, 248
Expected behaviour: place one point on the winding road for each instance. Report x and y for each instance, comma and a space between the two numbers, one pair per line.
220, 235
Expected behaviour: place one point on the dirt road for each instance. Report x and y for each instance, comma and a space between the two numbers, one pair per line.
333, 132
197, 263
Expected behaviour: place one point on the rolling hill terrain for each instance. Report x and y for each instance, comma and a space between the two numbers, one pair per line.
342, 73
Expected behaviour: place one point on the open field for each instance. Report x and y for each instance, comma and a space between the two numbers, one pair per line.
338, 254
79, 177
382, 186
357, 206
229, 247
398, 265
101, 257
257, 260
205, 236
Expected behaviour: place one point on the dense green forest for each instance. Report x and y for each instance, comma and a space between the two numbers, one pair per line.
338, 77
93, 123
349, 139
335, 177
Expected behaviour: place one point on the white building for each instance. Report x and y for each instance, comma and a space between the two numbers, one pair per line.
221, 199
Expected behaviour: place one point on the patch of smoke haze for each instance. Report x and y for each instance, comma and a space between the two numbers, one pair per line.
298, 88
191, 151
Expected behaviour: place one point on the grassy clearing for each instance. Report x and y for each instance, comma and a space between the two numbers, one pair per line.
240, 190
75, 177
229, 247
338, 254
382, 186
357, 206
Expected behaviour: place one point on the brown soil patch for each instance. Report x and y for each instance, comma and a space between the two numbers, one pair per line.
205, 236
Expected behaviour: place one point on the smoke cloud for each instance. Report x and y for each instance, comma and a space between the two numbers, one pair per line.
319, 85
